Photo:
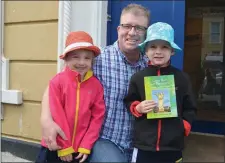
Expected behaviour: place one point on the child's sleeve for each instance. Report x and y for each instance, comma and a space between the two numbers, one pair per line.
189, 107
133, 98
97, 117
59, 117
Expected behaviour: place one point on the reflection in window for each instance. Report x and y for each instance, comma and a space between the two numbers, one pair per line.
211, 87
216, 53
215, 32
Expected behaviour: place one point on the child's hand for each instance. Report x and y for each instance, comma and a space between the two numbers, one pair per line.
146, 106
83, 156
67, 158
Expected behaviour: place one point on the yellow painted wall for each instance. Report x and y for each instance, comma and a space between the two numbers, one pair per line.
30, 43
208, 47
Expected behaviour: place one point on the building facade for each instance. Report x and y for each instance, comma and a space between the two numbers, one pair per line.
30, 45
34, 34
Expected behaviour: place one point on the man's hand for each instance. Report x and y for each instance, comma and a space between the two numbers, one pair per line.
49, 132
82, 156
145, 106
67, 158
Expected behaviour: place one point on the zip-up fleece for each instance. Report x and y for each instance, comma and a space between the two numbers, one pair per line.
166, 134
78, 108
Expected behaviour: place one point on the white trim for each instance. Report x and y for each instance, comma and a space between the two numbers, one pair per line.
74, 45
95, 15
64, 27
12, 97
99, 23
8, 96
5, 73
60, 36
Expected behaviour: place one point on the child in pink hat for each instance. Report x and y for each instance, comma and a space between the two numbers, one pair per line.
76, 102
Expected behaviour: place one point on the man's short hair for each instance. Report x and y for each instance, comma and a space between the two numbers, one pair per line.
137, 10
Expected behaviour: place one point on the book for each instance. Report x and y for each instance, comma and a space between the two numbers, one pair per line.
161, 89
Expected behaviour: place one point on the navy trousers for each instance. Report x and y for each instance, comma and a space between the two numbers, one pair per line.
47, 156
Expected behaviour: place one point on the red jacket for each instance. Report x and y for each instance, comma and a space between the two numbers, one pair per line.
78, 108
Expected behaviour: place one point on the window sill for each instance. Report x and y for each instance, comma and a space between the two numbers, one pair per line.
12, 97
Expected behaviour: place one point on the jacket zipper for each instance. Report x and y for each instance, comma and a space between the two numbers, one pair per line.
159, 134
77, 110
159, 124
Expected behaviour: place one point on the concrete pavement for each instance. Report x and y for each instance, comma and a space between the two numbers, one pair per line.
8, 157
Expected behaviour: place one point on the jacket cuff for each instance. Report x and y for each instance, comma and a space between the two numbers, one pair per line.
84, 150
133, 109
187, 127
66, 151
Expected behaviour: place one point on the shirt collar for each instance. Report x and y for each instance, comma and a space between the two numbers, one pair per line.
142, 58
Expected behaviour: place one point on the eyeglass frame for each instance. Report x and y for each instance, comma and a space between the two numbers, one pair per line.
129, 27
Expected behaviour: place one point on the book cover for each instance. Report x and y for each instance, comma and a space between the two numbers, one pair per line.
161, 89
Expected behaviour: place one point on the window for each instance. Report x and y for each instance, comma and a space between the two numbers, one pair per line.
216, 53
215, 32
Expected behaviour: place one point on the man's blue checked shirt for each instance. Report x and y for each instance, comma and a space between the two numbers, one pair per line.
113, 70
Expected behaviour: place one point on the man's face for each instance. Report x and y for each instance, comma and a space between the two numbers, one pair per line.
129, 37
159, 52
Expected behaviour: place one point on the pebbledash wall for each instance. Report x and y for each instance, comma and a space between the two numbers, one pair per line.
34, 32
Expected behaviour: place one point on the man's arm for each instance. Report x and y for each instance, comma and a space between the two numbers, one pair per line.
59, 115
49, 128
45, 111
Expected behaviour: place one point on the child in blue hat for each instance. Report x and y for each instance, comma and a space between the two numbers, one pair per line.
160, 140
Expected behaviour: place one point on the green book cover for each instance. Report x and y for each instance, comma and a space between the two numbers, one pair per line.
161, 89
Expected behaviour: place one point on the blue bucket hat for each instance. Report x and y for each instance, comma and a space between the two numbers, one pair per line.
160, 31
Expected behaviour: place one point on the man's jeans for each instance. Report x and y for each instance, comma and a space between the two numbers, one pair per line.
106, 151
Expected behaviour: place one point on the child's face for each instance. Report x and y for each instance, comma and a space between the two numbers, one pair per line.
159, 52
80, 61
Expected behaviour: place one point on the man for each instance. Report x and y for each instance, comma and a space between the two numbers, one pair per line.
113, 67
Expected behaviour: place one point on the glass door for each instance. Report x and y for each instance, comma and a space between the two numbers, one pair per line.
204, 62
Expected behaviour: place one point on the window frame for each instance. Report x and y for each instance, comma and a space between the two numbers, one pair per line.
210, 32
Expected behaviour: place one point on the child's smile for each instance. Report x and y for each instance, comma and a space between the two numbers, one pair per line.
81, 70
80, 61
159, 52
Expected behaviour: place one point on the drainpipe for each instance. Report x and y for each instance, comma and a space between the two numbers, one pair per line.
64, 25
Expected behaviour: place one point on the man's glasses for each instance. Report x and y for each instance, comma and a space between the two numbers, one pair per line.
138, 29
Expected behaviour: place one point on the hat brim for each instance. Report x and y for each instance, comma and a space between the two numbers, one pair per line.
95, 49
142, 45
175, 46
